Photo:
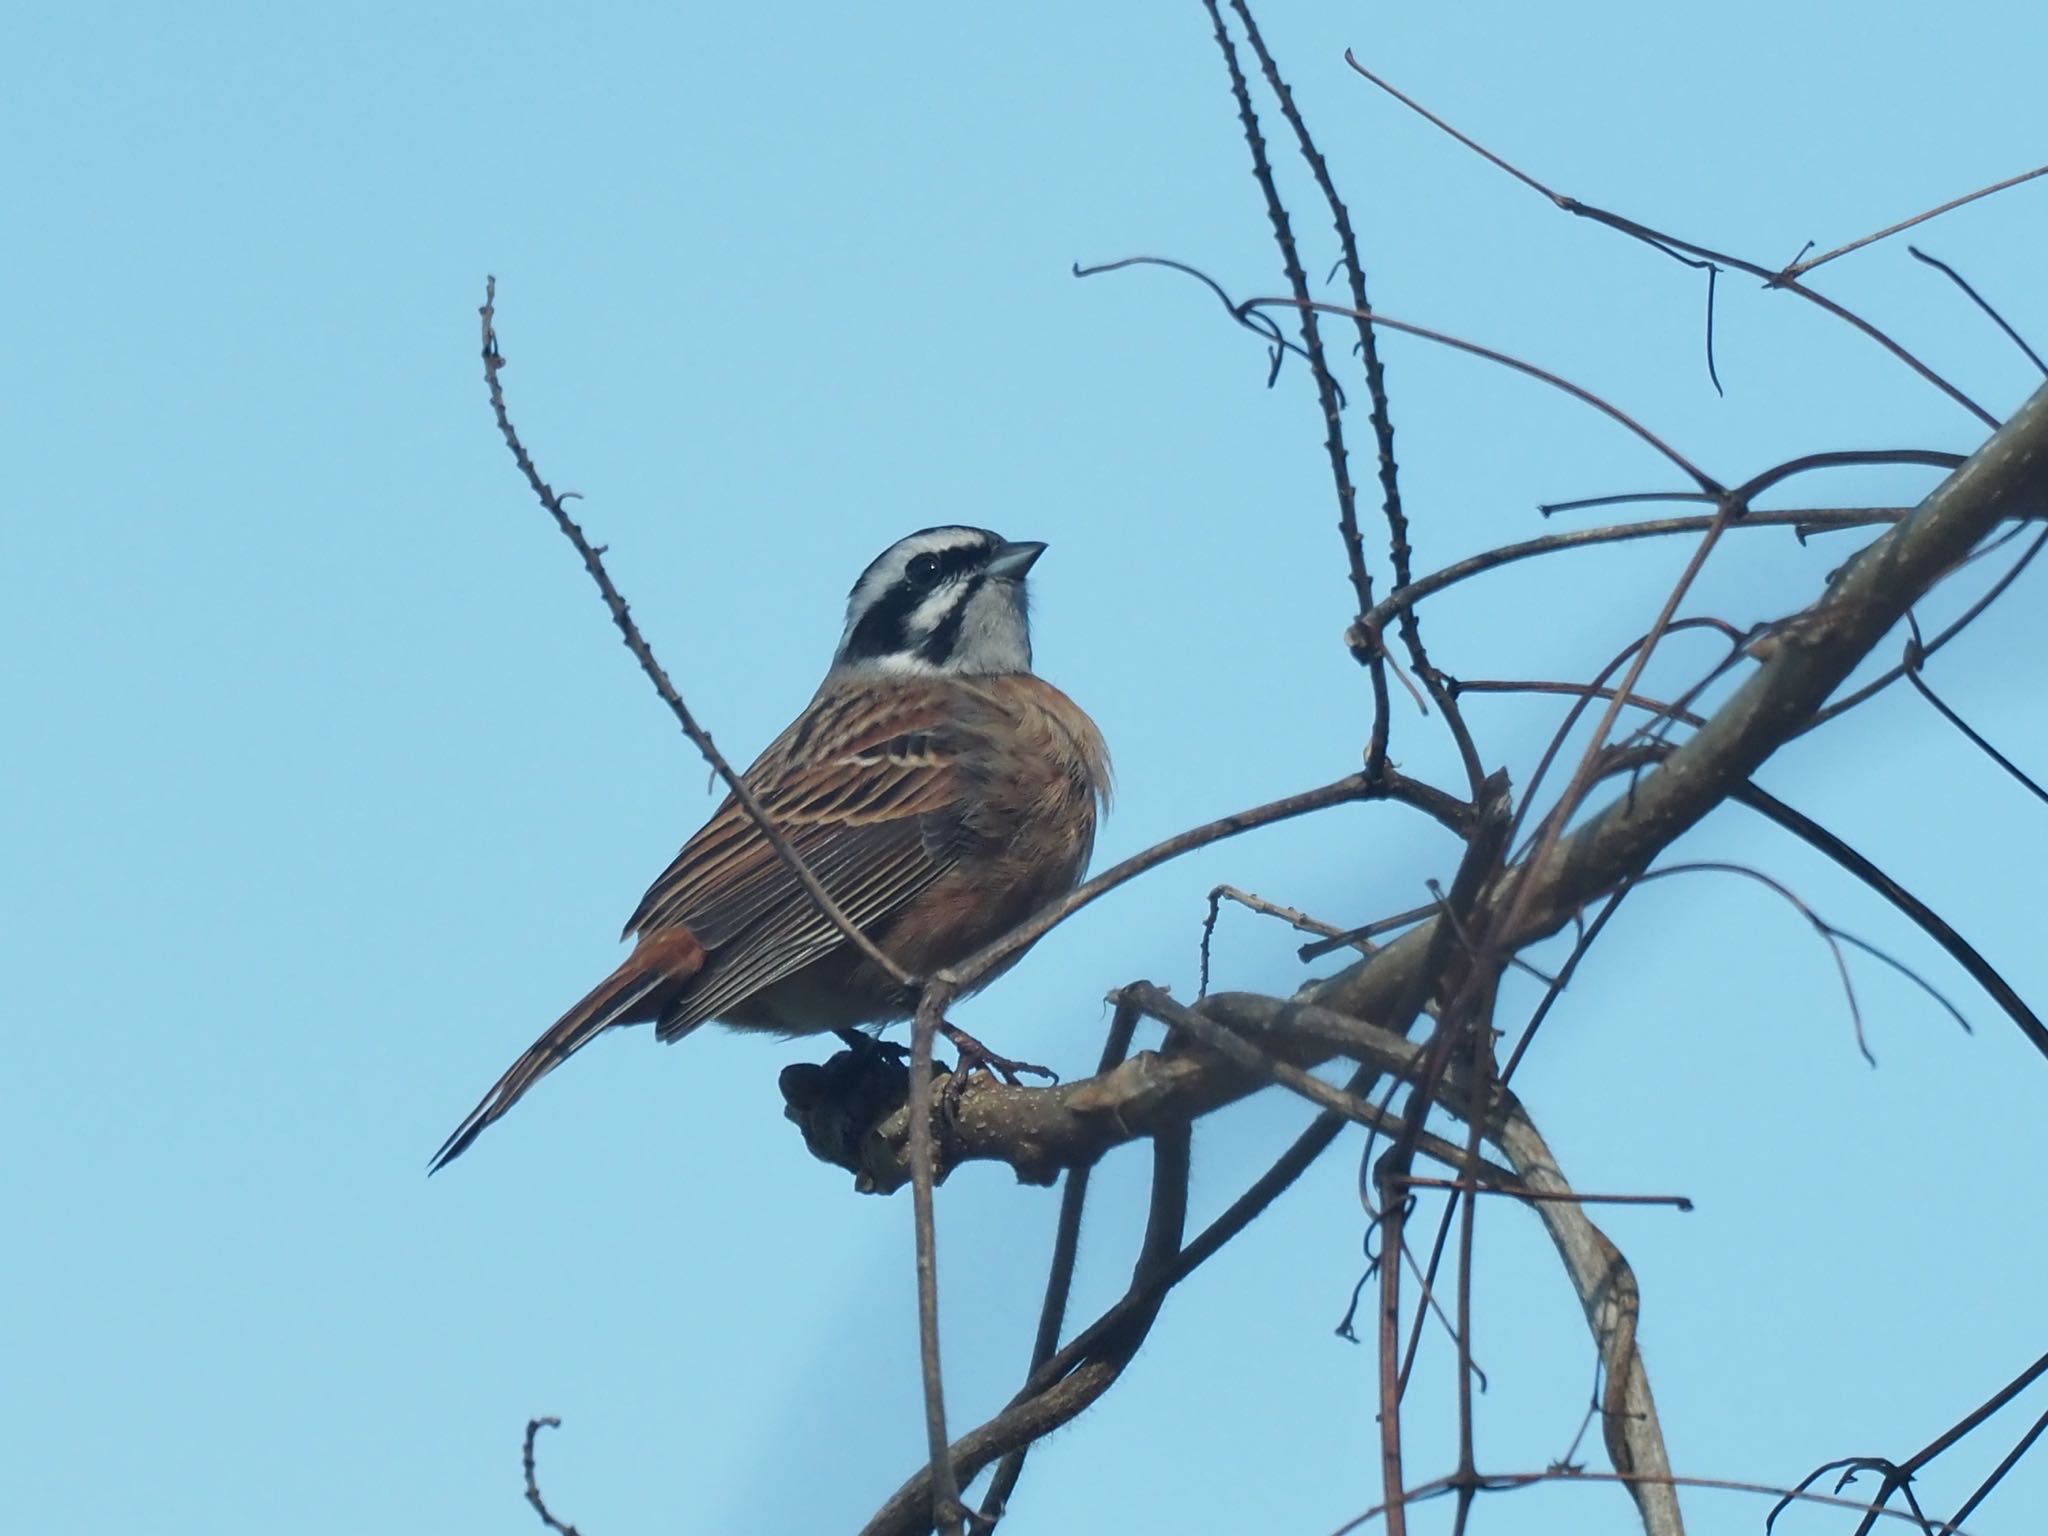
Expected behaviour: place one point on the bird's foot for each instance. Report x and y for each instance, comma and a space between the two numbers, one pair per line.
976, 1057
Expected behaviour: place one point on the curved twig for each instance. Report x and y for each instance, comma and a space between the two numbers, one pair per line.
540, 1505
1578, 392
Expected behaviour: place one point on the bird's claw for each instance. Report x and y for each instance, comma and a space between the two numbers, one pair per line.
976, 1057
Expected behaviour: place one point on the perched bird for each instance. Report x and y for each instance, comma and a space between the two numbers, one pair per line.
938, 790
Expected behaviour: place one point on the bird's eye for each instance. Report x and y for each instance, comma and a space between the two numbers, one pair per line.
923, 570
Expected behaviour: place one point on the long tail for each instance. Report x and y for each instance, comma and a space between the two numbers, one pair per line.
655, 967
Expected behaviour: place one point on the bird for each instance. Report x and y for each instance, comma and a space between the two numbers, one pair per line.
936, 787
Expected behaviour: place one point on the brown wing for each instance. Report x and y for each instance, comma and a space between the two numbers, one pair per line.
866, 786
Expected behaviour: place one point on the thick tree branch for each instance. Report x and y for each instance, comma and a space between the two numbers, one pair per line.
1039, 1131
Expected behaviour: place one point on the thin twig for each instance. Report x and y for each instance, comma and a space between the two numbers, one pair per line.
1088, 1367
1381, 318
1150, 1000
1656, 707
1327, 393
1454, 964
1507, 554
1426, 1307
1671, 245
1059, 1279
1532, 1196
1980, 301
1962, 622
547, 1518
1756, 485
1512, 1482
1835, 937
1265, 327
1599, 689
593, 562
1706, 482
946, 1508
1393, 1477
2012, 1459
1924, 917
1899, 1475
1390, 785
1301, 922
1354, 938
1801, 268
1379, 410
1583, 776
1914, 657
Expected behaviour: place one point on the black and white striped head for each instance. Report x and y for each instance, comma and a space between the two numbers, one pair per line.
942, 600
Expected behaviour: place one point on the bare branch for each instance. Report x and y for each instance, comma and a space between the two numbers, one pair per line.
1997, 1475
1218, 1036
1510, 1482
1059, 1280
1801, 268
1327, 393
1968, 732
1706, 482
1507, 554
1924, 917
1354, 270
1080, 1374
1389, 785
1300, 922
1962, 622
1979, 300
1041, 1130
533, 1429
946, 1508
1381, 318
1607, 1291
1672, 245
1898, 1475
593, 562
1380, 413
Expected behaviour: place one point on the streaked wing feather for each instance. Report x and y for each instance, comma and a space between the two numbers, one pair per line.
795, 934
847, 762
867, 793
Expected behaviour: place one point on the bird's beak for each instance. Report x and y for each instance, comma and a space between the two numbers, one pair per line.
1011, 561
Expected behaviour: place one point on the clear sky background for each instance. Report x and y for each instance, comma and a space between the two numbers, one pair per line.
326, 782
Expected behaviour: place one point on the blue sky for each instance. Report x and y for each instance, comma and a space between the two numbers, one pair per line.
328, 784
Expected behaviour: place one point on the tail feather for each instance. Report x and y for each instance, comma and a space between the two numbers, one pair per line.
619, 998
